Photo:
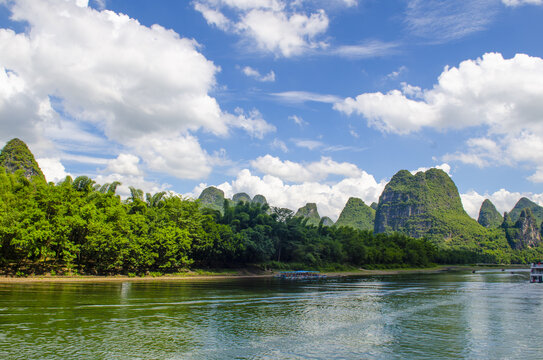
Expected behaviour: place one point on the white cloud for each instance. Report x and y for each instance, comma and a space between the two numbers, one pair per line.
441, 21
252, 123
297, 172
255, 74
179, 156
445, 167
125, 164
330, 198
330, 3
213, 17
53, 169
279, 144
504, 200
366, 50
515, 3
537, 177
395, 74
101, 69
298, 120
102, 65
267, 24
308, 144
502, 95
303, 96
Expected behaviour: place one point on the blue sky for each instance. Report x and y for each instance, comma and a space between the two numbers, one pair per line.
301, 101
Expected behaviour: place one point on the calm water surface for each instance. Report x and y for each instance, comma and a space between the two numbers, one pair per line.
487, 315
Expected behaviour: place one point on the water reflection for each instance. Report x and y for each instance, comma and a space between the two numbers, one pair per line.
454, 315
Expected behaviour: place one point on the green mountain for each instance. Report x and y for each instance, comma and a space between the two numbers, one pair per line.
374, 206
489, 217
16, 156
241, 197
212, 198
260, 199
309, 211
357, 214
525, 233
326, 221
427, 204
525, 203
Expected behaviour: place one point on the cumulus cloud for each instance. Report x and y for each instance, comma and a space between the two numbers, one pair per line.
270, 25
53, 169
255, 74
180, 156
502, 95
251, 122
504, 200
297, 172
330, 198
126, 164
101, 71
445, 167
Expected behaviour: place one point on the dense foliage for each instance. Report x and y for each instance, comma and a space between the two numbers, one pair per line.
16, 155
489, 216
525, 203
309, 212
80, 226
357, 214
85, 227
428, 204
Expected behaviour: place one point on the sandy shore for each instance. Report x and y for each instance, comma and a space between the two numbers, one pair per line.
241, 275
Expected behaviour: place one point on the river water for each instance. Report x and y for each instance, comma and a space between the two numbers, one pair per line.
486, 315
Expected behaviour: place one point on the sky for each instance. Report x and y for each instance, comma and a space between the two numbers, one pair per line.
298, 100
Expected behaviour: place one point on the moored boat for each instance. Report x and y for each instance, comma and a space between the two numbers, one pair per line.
536, 273
300, 275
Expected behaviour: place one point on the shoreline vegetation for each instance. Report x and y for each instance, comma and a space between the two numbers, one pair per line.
246, 274
82, 229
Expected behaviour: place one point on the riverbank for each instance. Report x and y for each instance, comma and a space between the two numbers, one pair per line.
241, 274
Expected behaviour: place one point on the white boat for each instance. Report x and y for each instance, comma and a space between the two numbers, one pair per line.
536, 273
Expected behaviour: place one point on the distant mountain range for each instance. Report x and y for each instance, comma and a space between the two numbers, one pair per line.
426, 204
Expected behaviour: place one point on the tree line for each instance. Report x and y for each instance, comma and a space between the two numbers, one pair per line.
80, 226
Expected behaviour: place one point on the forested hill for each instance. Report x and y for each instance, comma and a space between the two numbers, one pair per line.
426, 204
17, 156
80, 226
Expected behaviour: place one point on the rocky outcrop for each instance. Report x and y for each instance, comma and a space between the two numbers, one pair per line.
525, 203
525, 233
241, 197
489, 217
426, 204
17, 156
260, 199
326, 221
212, 198
310, 212
357, 214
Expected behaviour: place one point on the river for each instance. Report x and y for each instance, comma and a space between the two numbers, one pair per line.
486, 315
